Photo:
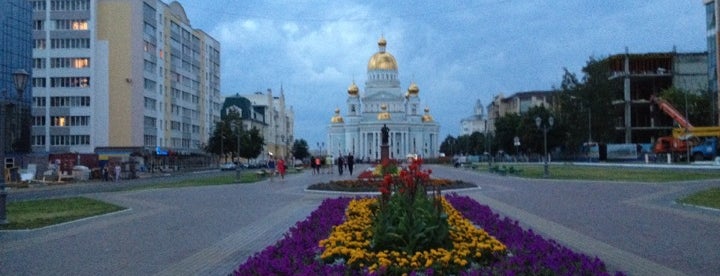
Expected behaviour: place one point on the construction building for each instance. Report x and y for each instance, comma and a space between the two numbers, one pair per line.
645, 75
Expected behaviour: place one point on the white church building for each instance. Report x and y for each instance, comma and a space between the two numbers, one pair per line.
383, 102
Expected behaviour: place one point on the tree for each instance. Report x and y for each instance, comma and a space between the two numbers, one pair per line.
584, 107
506, 128
449, 146
697, 106
228, 132
300, 149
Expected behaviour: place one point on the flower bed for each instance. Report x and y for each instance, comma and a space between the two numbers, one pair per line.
360, 185
298, 253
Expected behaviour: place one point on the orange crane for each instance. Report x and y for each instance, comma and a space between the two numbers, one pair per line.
670, 144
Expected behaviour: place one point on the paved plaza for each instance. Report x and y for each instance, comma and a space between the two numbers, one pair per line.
634, 227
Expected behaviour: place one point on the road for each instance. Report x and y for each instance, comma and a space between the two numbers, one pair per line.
633, 227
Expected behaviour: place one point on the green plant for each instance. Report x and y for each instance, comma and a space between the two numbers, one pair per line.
406, 219
40, 213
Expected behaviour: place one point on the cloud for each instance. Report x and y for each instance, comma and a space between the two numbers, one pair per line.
457, 52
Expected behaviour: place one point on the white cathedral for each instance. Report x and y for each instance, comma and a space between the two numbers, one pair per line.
383, 103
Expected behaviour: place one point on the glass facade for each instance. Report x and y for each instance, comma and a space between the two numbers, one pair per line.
15, 53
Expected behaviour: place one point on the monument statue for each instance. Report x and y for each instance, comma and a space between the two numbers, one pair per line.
385, 134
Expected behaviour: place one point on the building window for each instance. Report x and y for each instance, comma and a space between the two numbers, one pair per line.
38, 63
71, 24
150, 104
39, 43
38, 5
76, 63
38, 25
70, 5
39, 101
150, 140
69, 101
38, 120
64, 121
38, 140
69, 140
38, 82
70, 43
79, 82
150, 85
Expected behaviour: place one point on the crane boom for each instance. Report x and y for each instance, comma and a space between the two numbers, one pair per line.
668, 108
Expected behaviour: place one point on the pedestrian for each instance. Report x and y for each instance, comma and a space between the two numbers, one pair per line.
117, 172
312, 164
340, 165
318, 163
281, 168
350, 163
271, 167
329, 160
105, 173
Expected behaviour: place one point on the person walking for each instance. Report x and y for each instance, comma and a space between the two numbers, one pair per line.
117, 172
318, 163
312, 164
271, 167
350, 163
281, 168
329, 160
340, 164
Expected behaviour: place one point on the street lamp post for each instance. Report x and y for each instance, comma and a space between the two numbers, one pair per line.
545, 127
237, 167
20, 78
516, 142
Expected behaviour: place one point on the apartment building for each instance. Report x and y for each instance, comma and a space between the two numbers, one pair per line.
517, 103
121, 74
269, 114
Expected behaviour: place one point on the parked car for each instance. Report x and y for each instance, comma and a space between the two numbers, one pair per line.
228, 166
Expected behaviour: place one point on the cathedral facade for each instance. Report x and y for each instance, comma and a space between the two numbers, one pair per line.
383, 103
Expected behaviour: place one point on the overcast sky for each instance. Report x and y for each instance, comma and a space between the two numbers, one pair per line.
456, 51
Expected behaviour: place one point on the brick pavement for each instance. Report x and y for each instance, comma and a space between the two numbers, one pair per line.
210, 230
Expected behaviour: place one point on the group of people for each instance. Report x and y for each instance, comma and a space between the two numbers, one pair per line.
277, 166
321, 165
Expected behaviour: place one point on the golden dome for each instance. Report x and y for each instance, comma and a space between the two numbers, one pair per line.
337, 119
382, 60
384, 115
413, 89
353, 89
427, 117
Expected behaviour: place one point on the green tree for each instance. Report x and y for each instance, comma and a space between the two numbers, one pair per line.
449, 146
506, 128
697, 106
229, 134
300, 149
584, 107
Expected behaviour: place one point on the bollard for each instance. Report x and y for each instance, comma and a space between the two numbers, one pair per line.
668, 158
647, 159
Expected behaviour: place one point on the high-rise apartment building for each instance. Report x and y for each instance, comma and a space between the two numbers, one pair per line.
15, 56
713, 40
121, 74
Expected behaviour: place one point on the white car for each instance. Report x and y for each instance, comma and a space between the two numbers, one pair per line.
228, 166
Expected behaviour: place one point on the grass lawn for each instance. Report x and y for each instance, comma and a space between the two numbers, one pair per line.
41, 213
245, 177
708, 198
608, 173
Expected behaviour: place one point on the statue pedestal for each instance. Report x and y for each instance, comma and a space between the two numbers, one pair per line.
384, 152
